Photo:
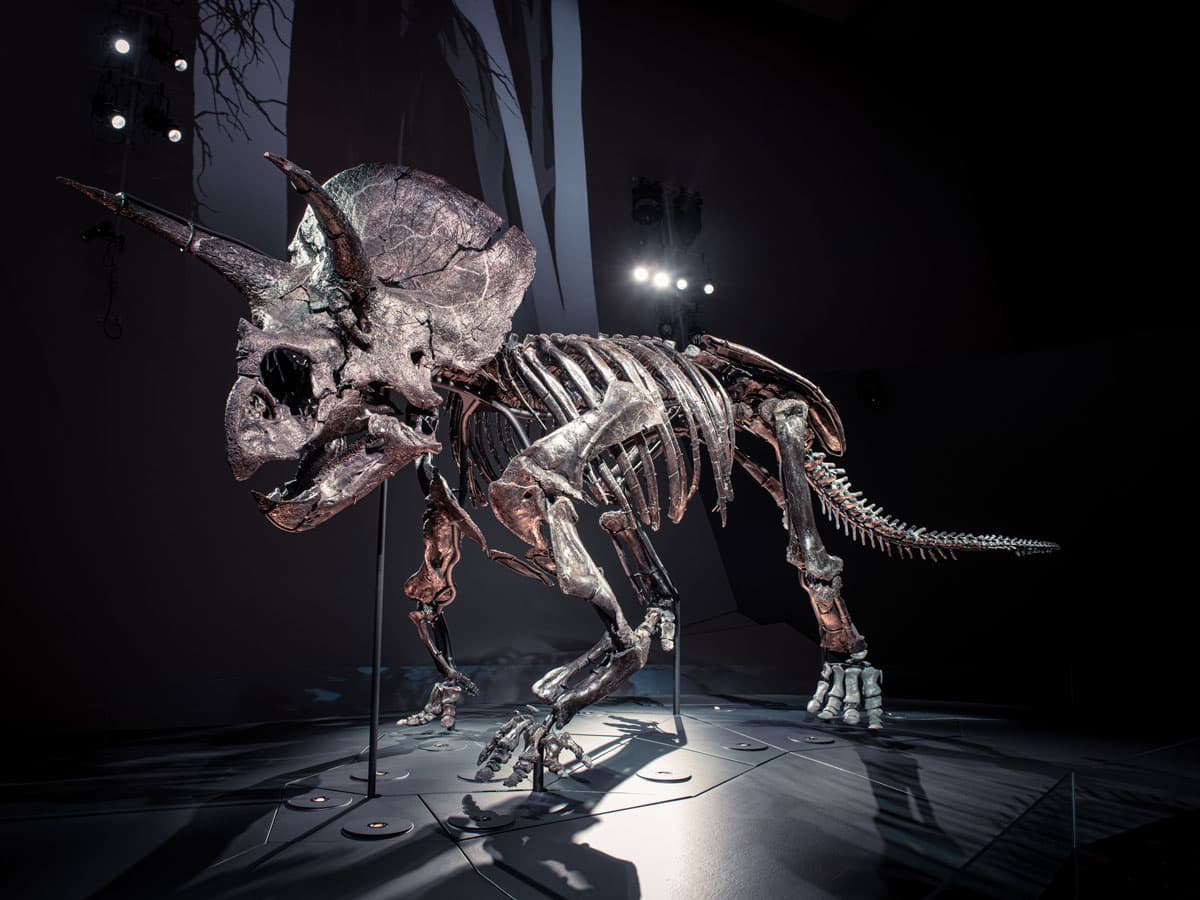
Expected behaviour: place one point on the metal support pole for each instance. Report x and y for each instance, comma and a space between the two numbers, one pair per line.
539, 772
678, 660
377, 651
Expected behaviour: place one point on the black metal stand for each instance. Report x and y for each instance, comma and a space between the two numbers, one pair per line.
539, 772
678, 661
377, 653
375, 816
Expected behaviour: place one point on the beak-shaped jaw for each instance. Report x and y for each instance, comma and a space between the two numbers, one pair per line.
338, 474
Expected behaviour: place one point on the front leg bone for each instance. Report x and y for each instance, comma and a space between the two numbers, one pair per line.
432, 588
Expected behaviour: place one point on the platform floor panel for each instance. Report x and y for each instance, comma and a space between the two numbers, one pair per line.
735, 797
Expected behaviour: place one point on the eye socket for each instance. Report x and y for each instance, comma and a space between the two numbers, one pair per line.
288, 376
416, 356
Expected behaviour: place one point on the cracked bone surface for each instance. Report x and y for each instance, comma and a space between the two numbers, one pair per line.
392, 274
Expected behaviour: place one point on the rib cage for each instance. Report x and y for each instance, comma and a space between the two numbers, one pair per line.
538, 383
541, 382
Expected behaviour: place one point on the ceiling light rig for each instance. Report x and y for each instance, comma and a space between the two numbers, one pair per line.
141, 65
127, 94
157, 119
670, 218
162, 48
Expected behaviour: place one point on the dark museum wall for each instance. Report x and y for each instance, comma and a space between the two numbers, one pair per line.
952, 220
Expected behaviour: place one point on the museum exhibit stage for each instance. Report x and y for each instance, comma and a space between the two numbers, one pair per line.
735, 797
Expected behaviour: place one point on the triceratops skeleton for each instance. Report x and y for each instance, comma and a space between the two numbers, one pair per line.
400, 286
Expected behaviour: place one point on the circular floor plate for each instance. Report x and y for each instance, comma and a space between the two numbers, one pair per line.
443, 746
664, 774
378, 827
318, 799
484, 821
746, 745
360, 773
813, 739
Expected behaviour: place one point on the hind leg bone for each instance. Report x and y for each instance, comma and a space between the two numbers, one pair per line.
848, 682
536, 489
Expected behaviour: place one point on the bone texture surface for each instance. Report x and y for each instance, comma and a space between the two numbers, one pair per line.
390, 321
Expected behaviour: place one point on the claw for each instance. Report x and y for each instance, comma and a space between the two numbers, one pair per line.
833, 705
818, 698
501, 746
666, 631
543, 743
873, 693
853, 697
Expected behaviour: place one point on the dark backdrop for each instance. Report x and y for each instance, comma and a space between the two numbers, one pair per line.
956, 222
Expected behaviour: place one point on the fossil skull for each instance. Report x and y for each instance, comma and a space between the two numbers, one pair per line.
393, 275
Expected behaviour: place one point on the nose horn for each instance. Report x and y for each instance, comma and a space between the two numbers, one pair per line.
256, 275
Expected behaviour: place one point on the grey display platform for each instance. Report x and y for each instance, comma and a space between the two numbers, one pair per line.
762, 801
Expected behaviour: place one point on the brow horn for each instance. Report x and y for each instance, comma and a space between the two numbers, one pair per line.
349, 259
256, 275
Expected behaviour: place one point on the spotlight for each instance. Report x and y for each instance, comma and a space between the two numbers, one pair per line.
122, 45
681, 284
641, 273
106, 111
661, 279
708, 288
160, 47
159, 121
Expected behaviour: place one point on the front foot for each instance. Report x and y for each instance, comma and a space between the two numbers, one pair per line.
443, 703
846, 688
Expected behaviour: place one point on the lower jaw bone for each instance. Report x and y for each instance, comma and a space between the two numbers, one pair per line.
347, 480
